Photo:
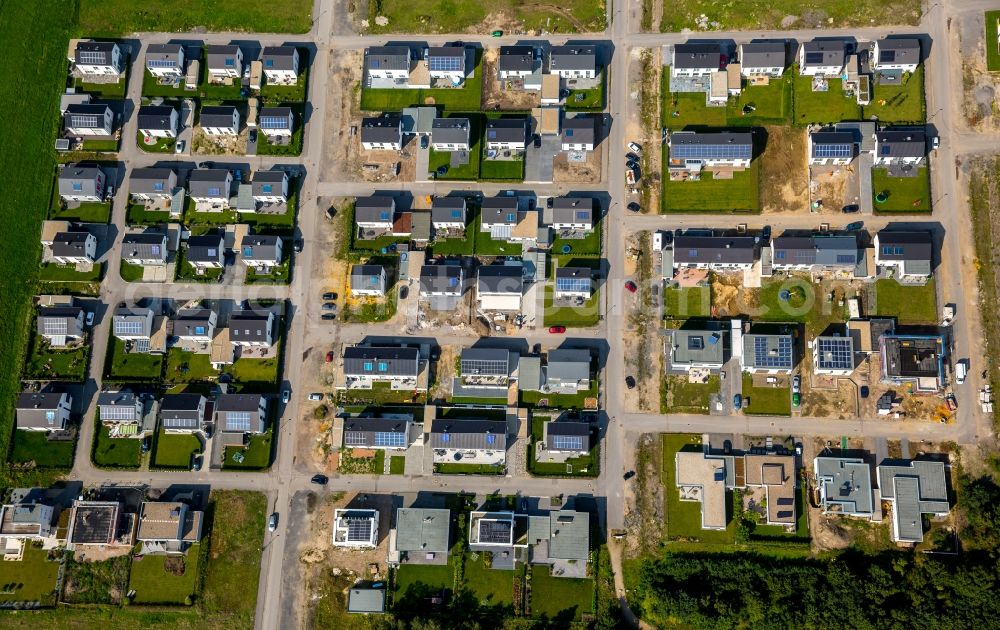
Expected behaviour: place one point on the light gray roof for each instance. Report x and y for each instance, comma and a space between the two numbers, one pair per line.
847, 483
387, 58
232, 410
902, 50
251, 326
697, 56
697, 346
217, 116
568, 365
485, 435
529, 373
437, 278
450, 130
381, 128
278, 57
269, 179
124, 317
151, 181
448, 210
822, 52
506, 130
573, 210
485, 362
769, 54
714, 249
146, 245
396, 361
219, 56
569, 537
579, 130
423, 530
164, 52
516, 59
829, 251
156, 117
366, 600
181, 411
501, 279
260, 247
85, 177
70, 244
209, 182
205, 248
917, 487
901, 143
60, 321
573, 57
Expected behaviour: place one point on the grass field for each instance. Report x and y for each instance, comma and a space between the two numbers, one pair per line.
572, 316
130, 272
153, 584
132, 365
773, 104
51, 272
502, 170
453, 246
256, 455
823, 107
107, 18
294, 146
433, 16
237, 540
687, 109
35, 576
115, 452
100, 582
467, 98
414, 581
585, 466
397, 464
256, 372
138, 215
490, 587
899, 104
738, 195
84, 212
290, 93
186, 367
685, 302
683, 518
589, 245
467, 469
174, 450
807, 303
559, 597
152, 87
770, 14
34, 446
563, 401
906, 194
908, 304
992, 18
681, 396
591, 100
47, 362
766, 401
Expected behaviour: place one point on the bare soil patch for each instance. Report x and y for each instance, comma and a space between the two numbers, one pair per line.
495, 96
784, 171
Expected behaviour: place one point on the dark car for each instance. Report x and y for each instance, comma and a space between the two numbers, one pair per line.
854, 227
629, 475
329, 316
329, 306
864, 391
403, 292
737, 401
329, 296
630, 382
424, 142
634, 207
537, 140
319, 480
206, 164
298, 245
631, 157
443, 170
253, 135
850, 209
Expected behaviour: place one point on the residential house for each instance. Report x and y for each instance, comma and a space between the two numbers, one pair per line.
165, 60
182, 413
895, 54
894, 147
696, 60
374, 213
579, 133
420, 536
823, 253
705, 478
145, 248
277, 123
74, 248
697, 349
60, 325
772, 353
25, 521
515, 62
914, 360
252, 329
355, 528
472, 440
692, 151
157, 121
907, 256
832, 147
913, 489
566, 436
441, 280
822, 57
118, 409
99, 58
714, 252
845, 486
833, 355
368, 280
388, 62
270, 187
220, 120
573, 61
448, 213
762, 58
573, 213
132, 324
88, 119
152, 184
79, 182
568, 371
99, 524
366, 365
499, 287
446, 62
43, 411
498, 216
776, 475
168, 527
223, 62
261, 252
450, 134
573, 282
385, 433
212, 187
280, 64
382, 133
206, 252
240, 414
195, 325
561, 540
487, 367
506, 134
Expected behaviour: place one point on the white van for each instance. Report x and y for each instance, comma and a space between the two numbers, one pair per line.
961, 370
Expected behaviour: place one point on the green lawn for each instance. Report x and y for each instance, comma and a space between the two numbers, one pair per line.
807, 303
572, 316
174, 450
34, 575
256, 455
379, 394
161, 145
34, 446
468, 171
899, 104
115, 452
413, 582
107, 18
591, 244
585, 466
992, 46
681, 396
467, 469
766, 401
822, 107
427, 16
154, 584
108, 146
278, 275
773, 104
108, 91
502, 170
289, 93
686, 109
51, 272
560, 597
464, 246
490, 587
259, 372
85, 212
294, 146
563, 401
739, 194
487, 246
682, 303
185, 272
130, 272
467, 98
236, 544
47, 362
683, 518
132, 365
187, 367
397, 464
908, 304
223, 217
769, 14
591, 100
906, 194
152, 87
138, 215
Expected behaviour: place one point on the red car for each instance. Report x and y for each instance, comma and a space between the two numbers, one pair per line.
557, 329
329, 357
630, 286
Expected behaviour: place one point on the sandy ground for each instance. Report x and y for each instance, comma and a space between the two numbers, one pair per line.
642, 356
784, 178
219, 145
980, 109
495, 97
644, 498
589, 172
829, 185
644, 82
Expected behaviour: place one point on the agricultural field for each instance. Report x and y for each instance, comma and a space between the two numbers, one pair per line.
108, 18
430, 16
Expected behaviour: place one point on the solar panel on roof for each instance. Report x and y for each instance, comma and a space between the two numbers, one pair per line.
161, 63
359, 530
125, 412
273, 122
814, 57
582, 214
128, 327
390, 439
496, 532
711, 151
484, 366
445, 64
887, 56
572, 284
92, 56
832, 150
354, 438
766, 357
836, 354
84, 120
238, 421
567, 442
54, 327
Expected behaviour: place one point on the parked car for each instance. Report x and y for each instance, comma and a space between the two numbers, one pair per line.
635, 148
737, 401
206, 164
557, 329
864, 391
796, 383
631, 157
630, 382
424, 142
298, 245
329, 356
854, 227
631, 287
851, 208
90, 318
329, 306
286, 395
272, 523
179, 147
315, 396
110, 192
403, 292
329, 295
537, 141
629, 475
935, 143
796, 399
253, 135
952, 401
328, 316
319, 480
634, 207
746, 402
196, 463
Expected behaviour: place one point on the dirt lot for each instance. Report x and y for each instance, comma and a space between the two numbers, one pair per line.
643, 360
219, 145
643, 123
833, 186
645, 499
785, 183
980, 109
589, 172
495, 97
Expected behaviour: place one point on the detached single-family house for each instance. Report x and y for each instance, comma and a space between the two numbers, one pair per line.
224, 62
168, 527
487, 367
693, 151
375, 212
43, 411
145, 248
382, 133
573, 213
832, 147
132, 324
270, 187
182, 413
833, 355
913, 488
822, 57
697, 348
152, 184
420, 536
99, 58
119, 408
241, 413
498, 216
276, 122
211, 186
450, 134
262, 252
906, 255
378, 433
515, 62
366, 365
158, 121
448, 213
506, 134
900, 146
355, 528
845, 486
579, 133
25, 521
696, 60
99, 524
78, 182
901, 55
280, 64
252, 329
714, 252
60, 325
565, 436
768, 353
369, 280
220, 120
499, 287
446, 62
195, 324
568, 371
816, 253
573, 282
88, 119
388, 62
74, 248
441, 280
470, 439
913, 360
165, 60
765, 58
206, 252
573, 61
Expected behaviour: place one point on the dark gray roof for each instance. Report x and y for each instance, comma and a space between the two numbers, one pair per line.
469, 434
32, 406
164, 52
181, 411
387, 58
901, 143
103, 48
568, 428
217, 115
251, 326
485, 362
714, 249
445, 51
155, 117
816, 250
579, 130
216, 55
832, 144
209, 182
437, 278
381, 129
903, 50
80, 115
712, 145
448, 210
192, 322
516, 59
450, 130
824, 53
69, 244
573, 210
205, 248
374, 209
398, 361
573, 57
268, 178
278, 57
84, 176
116, 399
769, 54
146, 245
915, 245
361, 432
568, 364
697, 56
367, 276
501, 279
260, 247
118, 406
274, 114
506, 130
150, 181
237, 402
495, 209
